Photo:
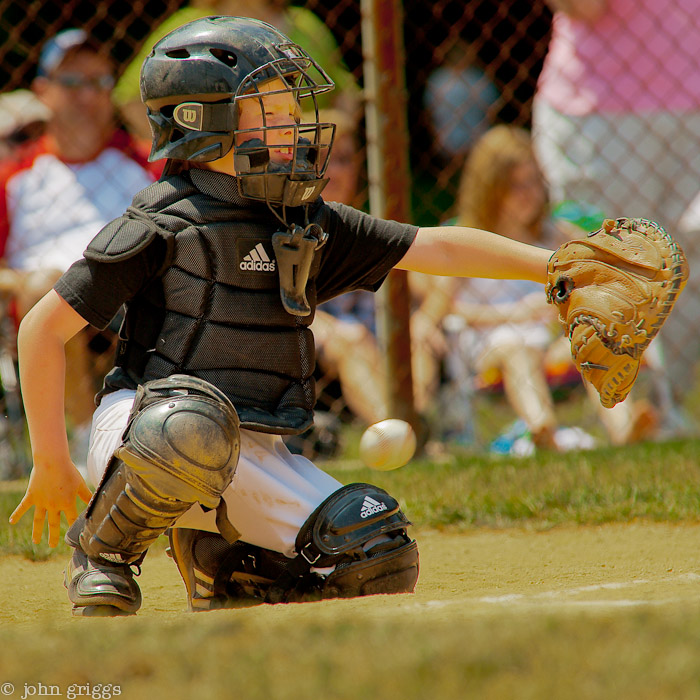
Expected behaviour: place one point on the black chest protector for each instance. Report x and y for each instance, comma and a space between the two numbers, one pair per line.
214, 311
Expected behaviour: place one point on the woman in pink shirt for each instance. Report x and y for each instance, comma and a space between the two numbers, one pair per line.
616, 124
617, 110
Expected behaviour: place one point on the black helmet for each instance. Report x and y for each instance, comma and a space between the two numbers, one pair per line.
191, 83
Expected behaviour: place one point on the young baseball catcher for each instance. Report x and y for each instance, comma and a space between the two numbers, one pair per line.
219, 267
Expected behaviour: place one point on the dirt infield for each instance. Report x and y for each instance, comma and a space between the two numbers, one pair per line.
613, 565
570, 613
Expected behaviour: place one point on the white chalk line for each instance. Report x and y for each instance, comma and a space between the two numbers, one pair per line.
580, 590
561, 597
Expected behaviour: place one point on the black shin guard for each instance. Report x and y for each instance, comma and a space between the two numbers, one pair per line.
359, 530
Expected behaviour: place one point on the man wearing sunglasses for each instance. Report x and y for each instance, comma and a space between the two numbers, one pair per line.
57, 192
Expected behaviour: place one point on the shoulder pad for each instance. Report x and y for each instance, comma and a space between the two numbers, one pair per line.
121, 239
163, 193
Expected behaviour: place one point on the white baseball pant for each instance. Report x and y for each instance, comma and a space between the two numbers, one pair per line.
272, 494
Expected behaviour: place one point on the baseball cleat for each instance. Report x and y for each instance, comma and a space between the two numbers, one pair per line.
218, 574
198, 581
99, 589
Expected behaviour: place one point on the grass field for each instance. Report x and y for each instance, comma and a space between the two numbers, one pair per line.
574, 576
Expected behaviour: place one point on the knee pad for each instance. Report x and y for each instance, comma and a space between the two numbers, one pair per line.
181, 447
183, 439
361, 531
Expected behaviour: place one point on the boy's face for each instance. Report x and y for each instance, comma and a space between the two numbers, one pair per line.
281, 111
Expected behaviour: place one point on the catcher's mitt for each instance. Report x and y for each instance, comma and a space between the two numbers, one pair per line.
614, 289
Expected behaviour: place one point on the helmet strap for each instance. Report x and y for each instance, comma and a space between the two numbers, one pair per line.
205, 116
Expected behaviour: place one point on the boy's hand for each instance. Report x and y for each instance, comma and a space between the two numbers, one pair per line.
50, 495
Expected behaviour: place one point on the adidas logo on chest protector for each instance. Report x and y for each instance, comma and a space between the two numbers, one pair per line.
370, 507
258, 260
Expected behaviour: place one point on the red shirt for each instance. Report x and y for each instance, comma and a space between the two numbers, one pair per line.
51, 208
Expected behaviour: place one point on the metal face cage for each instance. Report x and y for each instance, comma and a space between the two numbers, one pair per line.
301, 179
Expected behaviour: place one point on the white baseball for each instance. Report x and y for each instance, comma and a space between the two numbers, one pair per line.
388, 444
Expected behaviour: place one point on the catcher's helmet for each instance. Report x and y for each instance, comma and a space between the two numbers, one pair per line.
192, 82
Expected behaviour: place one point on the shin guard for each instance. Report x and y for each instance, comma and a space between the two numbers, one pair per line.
181, 448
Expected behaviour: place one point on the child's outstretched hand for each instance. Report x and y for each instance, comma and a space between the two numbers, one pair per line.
52, 489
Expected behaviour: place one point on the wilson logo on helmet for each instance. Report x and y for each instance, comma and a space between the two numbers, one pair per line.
307, 193
257, 260
189, 115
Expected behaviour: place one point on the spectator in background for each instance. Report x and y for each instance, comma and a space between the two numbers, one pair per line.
57, 192
60, 190
300, 24
344, 327
346, 347
616, 123
507, 325
459, 99
23, 118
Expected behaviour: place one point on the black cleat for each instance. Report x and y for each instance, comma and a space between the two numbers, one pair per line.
100, 589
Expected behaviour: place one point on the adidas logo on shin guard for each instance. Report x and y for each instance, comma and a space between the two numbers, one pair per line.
370, 507
257, 260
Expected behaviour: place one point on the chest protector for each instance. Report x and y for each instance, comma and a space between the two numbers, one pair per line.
214, 310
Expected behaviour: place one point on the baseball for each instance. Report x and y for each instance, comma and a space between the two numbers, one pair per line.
388, 444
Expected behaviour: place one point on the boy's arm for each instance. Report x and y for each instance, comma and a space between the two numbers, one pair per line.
459, 251
54, 482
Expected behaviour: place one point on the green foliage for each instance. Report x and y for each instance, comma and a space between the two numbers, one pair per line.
351, 654
447, 645
18, 539
658, 481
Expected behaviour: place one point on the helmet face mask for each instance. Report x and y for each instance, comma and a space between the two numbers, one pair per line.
200, 77
278, 157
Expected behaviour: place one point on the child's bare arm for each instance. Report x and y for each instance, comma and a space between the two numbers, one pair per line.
459, 251
54, 482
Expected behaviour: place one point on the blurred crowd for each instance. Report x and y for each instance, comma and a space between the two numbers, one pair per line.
604, 138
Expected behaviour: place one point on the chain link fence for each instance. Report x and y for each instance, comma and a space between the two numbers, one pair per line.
470, 66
